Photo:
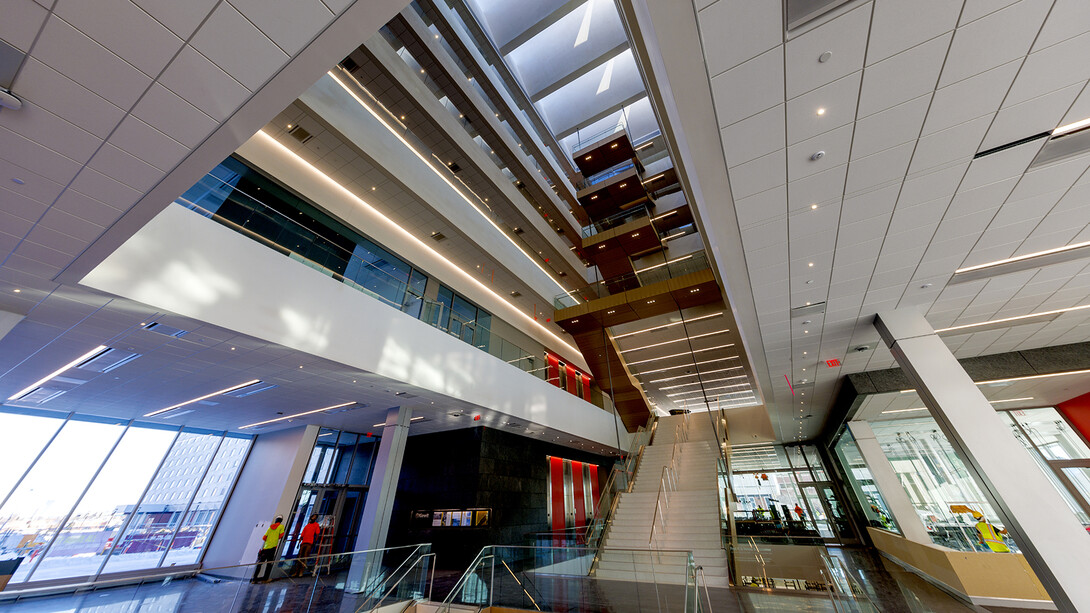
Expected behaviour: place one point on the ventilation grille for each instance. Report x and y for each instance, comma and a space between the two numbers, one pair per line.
516, 294
300, 134
108, 360
159, 328
810, 309
249, 391
405, 395
438, 236
351, 407
41, 395
799, 12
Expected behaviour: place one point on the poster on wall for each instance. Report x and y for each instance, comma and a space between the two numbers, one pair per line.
454, 518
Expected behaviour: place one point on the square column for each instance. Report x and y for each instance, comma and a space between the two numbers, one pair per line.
1053, 541
887, 482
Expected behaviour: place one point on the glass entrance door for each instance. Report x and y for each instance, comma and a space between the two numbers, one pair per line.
829, 516
340, 506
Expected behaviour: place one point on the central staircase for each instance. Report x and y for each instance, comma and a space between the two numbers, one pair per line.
689, 507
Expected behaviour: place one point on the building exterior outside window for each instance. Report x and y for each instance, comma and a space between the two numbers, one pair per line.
89, 495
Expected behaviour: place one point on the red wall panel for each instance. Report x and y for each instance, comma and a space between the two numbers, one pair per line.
1077, 411
577, 490
572, 376
552, 372
556, 493
586, 388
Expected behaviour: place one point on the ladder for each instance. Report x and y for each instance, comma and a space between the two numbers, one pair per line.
324, 549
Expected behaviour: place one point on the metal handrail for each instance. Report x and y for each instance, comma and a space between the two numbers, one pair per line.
672, 269
521, 586
402, 578
460, 584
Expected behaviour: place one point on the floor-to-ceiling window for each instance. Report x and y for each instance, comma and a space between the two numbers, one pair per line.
88, 495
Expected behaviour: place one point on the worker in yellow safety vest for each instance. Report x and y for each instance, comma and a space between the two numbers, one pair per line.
267, 555
990, 535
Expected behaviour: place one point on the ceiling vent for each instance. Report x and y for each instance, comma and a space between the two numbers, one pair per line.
41, 395
249, 391
173, 414
799, 12
816, 308
438, 237
517, 230
405, 395
349, 64
300, 134
108, 360
159, 328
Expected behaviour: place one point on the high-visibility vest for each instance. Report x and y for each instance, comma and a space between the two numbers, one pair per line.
991, 537
272, 536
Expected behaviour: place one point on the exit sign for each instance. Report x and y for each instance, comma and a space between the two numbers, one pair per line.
833, 363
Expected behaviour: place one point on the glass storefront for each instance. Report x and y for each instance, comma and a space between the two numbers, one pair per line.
90, 495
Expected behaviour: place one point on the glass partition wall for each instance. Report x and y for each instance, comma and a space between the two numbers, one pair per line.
943, 492
84, 496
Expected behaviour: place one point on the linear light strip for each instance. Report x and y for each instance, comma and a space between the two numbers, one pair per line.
904, 410
653, 267
1016, 318
694, 374
677, 340
671, 387
443, 177
1022, 258
200, 398
669, 325
722, 387
411, 419
1011, 400
666, 357
293, 416
350, 194
733, 357
1071, 127
1028, 377
30, 388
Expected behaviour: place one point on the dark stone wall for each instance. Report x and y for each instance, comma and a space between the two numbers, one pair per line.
477, 468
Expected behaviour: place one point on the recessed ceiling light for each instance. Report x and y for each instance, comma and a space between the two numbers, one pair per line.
821, 111
87, 356
206, 396
17, 291
811, 264
813, 206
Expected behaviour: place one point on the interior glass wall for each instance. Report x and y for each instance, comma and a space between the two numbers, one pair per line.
90, 495
861, 484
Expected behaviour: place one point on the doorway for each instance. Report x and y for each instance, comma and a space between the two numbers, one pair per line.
339, 510
828, 514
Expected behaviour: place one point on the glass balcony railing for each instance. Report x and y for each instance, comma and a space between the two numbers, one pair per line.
276, 230
617, 219
671, 269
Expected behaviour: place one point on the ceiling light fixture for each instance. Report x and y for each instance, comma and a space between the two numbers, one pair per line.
998, 323
293, 416
670, 387
664, 326
706, 372
1019, 263
821, 111
905, 410
83, 358
200, 398
1071, 127
1011, 400
1028, 377
667, 357
676, 340
515, 311
410, 419
690, 365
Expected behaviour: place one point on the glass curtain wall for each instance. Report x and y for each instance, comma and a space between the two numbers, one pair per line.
861, 484
89, 495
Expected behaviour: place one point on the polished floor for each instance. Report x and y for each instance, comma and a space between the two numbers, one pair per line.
889, 589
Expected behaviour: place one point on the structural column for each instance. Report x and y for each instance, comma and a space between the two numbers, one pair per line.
1053, 541
379, 506
887, 482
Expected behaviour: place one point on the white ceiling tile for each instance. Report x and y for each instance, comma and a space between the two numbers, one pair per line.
897, 26
881, 169
987, 198
1051, 68
1067, 19
889, 128
836, 100
1018, 212
122, 166
902, 77
104, 189
21, 150
21, 22
87, 208
148, 144
956, 144
181, 17
823, 189
733, 31
73, 54
877, 203
999, 166
238, 47
289, 23
836, 145
34, 186
196, 79
173, 116
993, 40
932, 184
758, 175
762, 208
845, 38
754, 136
970, 98
1041, 114
71, 225
926, 214
749, 88
41, 85
123, 28
21, 205
1051, 177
